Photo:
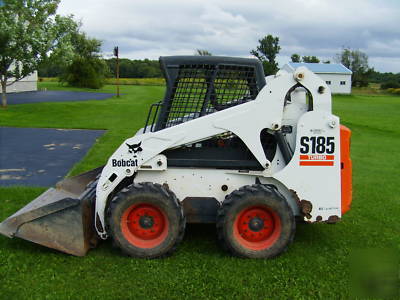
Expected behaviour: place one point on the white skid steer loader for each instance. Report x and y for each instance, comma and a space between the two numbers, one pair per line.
226, 145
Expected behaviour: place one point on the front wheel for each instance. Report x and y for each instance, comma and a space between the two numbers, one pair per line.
146, 220
255, 222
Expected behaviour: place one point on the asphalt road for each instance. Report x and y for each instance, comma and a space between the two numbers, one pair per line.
39, 156
54, 96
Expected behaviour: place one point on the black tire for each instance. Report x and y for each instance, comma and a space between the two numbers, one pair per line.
146, 220
255, 222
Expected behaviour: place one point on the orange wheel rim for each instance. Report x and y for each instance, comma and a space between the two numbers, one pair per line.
144, 225
257, 227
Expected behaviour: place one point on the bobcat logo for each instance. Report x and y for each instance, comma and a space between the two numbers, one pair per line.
135, 148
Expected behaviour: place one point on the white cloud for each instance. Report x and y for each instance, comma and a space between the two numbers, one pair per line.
232, 27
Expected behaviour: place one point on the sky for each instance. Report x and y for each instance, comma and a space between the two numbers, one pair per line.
153, 28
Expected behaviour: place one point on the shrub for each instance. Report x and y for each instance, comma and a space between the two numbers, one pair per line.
394, 91
122, 81
137, 81
85, 73
48, 79
390, 84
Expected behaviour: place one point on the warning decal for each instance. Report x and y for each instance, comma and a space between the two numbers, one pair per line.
316, 160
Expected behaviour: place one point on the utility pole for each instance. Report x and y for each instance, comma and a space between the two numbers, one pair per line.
116, 53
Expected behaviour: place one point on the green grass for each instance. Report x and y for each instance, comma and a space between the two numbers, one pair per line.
316, 265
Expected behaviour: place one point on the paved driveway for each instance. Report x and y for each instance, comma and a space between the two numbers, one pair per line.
39, 156
54, 96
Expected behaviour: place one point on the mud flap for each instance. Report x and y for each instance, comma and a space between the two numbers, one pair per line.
61, 218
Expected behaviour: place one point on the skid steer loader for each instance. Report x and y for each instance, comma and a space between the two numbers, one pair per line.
226, 146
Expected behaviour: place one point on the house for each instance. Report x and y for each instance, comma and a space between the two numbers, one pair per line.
28, 83
336, 76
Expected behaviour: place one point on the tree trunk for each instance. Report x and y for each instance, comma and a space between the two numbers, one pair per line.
3, 93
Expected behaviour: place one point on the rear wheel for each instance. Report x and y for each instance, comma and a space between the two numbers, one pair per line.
255, 222
146, 220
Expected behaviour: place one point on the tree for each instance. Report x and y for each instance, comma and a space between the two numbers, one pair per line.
203, 52
266, 52
295, 58
87, 68
357, 62
387, 80
30, 31
307, 59
135, 68
390, 84
310, 59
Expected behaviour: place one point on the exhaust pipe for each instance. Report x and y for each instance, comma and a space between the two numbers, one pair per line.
61, 218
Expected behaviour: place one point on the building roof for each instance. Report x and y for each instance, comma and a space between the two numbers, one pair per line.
322, 68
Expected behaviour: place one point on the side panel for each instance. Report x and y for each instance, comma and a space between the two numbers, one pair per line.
346, 168
214, 183
314, 171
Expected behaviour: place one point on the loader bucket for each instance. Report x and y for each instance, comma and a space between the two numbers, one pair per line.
61, 218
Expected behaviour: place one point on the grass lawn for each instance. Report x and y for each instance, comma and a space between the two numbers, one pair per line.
317, 265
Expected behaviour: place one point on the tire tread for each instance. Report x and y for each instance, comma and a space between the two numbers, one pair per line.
148, 187
239, 195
